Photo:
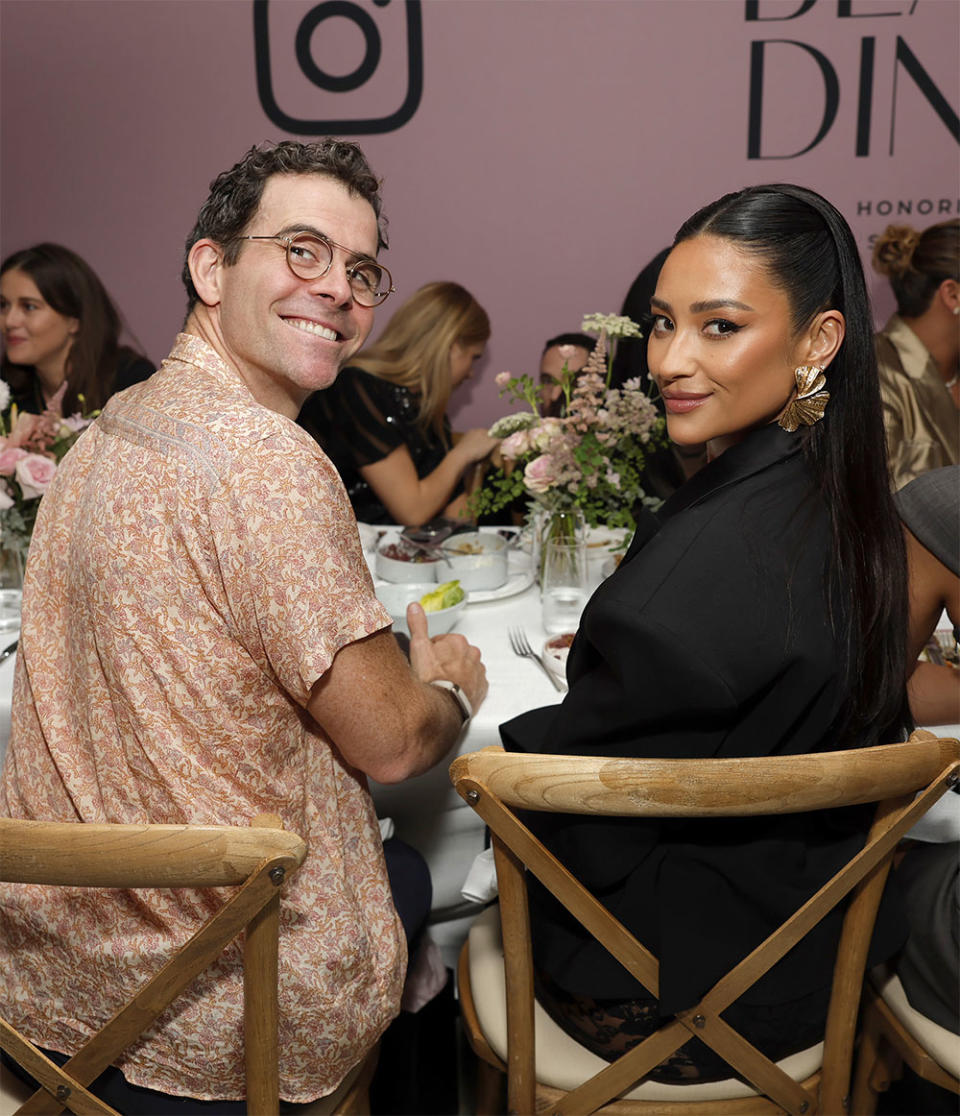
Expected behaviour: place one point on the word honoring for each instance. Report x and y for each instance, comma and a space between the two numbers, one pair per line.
905, 207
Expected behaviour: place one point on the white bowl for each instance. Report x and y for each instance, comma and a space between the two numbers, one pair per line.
398, 570
396, 597
477, 559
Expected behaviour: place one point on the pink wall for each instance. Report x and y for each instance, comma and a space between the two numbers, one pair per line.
557, 145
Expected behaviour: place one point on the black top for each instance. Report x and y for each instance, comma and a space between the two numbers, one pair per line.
132, 368
711, 639
359, 420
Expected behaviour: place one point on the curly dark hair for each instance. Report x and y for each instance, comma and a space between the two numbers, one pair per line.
235, 194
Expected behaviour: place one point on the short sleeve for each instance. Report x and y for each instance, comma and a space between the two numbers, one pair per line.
291, 562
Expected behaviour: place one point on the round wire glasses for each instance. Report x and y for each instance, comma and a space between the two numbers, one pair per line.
310, 257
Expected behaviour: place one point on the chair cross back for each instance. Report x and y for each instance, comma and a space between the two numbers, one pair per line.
256, 860
496, 784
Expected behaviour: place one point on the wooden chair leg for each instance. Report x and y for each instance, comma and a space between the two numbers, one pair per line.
864, 1097
491, 1088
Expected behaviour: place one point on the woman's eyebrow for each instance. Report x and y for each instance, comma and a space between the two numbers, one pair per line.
717, 304
703, 307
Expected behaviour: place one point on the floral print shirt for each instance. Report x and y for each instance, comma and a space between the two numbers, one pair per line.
194, 571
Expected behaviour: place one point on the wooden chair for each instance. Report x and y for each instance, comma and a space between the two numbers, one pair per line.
547, 1070
894, 1032
257, 861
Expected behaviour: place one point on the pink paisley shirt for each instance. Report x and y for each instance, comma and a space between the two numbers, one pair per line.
194, 571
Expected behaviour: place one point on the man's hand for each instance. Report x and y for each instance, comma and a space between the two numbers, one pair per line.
447, 656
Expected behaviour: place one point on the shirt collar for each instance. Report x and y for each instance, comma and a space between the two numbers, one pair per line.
914, 355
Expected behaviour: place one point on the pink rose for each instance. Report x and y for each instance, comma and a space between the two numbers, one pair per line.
515, 445
6, 500
8, 460
34, 474
33, 430
502, 379
540, 474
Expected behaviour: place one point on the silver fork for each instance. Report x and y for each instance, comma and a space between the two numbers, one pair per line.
521, 646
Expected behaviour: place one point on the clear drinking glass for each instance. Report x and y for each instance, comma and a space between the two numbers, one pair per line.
563, 587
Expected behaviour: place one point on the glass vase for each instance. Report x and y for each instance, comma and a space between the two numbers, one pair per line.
11, 588
558, 526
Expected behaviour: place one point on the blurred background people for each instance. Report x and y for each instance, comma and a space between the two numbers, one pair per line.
384, 421
566, 351
918, 350
60, 327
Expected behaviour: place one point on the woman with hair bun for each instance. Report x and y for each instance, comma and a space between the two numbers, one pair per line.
383, 422
61, 334
918, 350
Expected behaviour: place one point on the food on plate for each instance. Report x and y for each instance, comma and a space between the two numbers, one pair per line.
399, 552
444, 596
561, 642
464, 548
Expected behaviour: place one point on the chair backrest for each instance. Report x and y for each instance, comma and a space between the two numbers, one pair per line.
496, 784
256, 860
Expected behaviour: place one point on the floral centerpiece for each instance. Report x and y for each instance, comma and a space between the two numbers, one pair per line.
31, 446
591, 459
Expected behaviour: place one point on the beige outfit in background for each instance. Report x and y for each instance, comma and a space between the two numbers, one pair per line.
921, 420
195, 569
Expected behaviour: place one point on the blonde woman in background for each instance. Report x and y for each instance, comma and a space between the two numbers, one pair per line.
918, 350
384, 423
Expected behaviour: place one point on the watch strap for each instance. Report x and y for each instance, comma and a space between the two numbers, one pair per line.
458, 696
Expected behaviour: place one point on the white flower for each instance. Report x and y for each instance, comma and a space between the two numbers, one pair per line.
510, 424
613, 325
4, 395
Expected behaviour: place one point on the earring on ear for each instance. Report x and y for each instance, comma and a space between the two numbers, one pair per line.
956, 309
808, 405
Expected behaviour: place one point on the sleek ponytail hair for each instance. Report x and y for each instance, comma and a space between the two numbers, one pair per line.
809, 253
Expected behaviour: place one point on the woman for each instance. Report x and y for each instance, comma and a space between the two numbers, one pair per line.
918, 349
383, 423
737, 624
61, 334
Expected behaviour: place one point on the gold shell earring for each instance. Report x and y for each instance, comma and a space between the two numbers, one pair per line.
808, 405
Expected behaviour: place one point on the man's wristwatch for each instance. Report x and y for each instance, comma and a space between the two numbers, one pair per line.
458, 696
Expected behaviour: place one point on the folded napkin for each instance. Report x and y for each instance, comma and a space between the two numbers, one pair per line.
480, 885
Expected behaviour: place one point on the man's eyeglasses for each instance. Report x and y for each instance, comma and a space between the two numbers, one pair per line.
310, 257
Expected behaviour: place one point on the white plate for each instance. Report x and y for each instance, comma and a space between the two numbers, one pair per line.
517, 581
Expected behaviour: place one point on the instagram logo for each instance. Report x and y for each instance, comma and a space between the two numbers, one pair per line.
334, 67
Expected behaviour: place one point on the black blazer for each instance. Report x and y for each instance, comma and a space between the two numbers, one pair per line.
712, 639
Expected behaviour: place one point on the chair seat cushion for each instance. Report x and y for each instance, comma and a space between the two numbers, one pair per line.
942, 1045
562, 1063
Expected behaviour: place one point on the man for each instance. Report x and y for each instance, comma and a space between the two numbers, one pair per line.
568, 352
201, 643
